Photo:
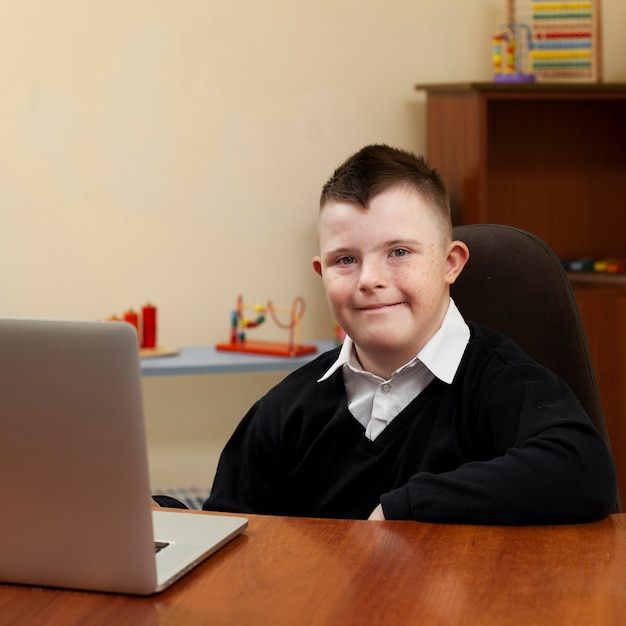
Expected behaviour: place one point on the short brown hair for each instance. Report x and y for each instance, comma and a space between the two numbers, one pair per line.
377, 168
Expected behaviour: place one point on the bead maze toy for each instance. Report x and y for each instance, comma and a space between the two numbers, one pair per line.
239, 323
511, 49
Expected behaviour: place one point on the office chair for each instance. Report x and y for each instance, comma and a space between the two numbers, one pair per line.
515, 284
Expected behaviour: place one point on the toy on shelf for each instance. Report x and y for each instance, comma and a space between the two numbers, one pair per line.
239, 323
145, 324
511, 49
603, 265
564, 40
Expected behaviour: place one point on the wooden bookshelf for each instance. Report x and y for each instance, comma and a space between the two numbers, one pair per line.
549, 158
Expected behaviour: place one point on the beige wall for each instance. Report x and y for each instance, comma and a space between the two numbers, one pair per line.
174, 152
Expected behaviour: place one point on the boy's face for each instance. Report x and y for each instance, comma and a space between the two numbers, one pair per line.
387, 272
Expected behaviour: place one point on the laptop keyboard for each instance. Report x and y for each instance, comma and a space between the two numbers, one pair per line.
159, 545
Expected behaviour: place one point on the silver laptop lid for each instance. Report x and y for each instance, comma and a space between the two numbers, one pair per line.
73, 457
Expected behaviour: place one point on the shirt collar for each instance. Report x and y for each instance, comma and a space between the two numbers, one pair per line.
442, 353
345, 355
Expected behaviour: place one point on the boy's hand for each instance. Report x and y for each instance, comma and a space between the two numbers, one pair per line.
377, 513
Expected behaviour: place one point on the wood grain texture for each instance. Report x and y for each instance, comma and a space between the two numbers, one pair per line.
287, 571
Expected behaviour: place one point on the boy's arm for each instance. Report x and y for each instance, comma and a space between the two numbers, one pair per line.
552, 466
248, 478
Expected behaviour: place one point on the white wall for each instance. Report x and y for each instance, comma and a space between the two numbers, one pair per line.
174, 152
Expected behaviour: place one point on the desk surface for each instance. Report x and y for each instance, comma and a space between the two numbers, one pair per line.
286, 571
207, 360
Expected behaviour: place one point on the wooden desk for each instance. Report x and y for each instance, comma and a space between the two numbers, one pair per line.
287, 571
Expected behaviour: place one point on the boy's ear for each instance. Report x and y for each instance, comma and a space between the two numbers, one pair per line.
458, 255
317, 265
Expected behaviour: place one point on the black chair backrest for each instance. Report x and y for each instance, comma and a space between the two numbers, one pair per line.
515, 284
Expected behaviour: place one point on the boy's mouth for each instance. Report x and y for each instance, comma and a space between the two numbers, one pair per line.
380, 306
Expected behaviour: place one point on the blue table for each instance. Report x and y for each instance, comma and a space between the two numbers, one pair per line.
208, 360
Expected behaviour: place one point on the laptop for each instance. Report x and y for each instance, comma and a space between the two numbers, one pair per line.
76, 506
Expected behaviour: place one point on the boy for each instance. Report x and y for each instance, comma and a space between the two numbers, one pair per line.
420, 414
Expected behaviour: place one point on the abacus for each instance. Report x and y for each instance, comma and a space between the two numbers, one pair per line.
565, 42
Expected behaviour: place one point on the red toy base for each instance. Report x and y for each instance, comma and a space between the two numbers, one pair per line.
267, 347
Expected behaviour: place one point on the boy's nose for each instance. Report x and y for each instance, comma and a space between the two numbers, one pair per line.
372, 276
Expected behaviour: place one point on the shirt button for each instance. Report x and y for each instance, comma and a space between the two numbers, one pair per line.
386, 388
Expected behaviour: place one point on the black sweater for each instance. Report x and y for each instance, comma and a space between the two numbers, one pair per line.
506, 443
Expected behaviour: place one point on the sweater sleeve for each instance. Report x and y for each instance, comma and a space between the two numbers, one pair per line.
550, 465
249, 476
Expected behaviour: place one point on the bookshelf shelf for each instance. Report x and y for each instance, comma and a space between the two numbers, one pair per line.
596, 280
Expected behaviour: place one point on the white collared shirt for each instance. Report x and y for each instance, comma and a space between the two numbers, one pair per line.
373, 401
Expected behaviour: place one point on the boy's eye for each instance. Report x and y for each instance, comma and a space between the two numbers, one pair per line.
346, 260
399, 252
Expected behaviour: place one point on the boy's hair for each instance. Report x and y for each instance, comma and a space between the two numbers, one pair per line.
377, 168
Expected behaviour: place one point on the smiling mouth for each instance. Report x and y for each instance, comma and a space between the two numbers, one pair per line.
379, 307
